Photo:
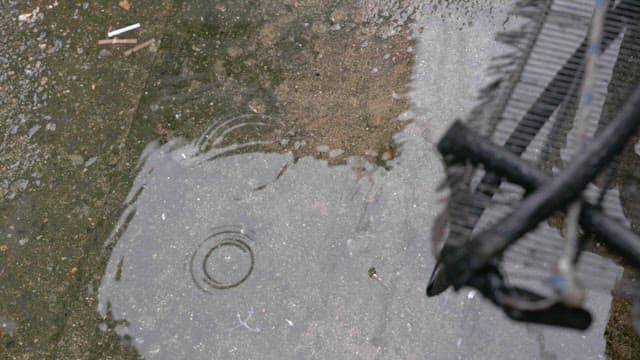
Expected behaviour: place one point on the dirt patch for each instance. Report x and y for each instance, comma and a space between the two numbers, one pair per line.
622, 340
333, 76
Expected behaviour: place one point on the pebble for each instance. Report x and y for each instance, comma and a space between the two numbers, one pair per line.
637, 147
90, 161
335, 153
257, 106
51, 126
76, 160
299, 144
34, 129
19, 185
104, 53
8, 325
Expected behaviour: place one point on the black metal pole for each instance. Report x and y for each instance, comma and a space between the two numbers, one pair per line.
463, 261
464, 143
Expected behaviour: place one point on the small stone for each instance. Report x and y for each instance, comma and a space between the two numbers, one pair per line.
19, 185
8, 325
637, 147
387, 155
104, 53
284, 142
386, 56
319, 28
34, 129
323, 148
338, 15
23, 241
335, 153
374, 70
76, 160
90, 161
299, 144
51, 126
234, 52
257, 106
336, 27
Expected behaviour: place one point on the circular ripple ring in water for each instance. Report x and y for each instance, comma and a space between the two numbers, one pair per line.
223, 260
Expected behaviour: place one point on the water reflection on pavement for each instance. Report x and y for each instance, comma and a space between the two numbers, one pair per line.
262, 255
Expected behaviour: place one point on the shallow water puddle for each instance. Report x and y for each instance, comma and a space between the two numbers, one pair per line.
245, 254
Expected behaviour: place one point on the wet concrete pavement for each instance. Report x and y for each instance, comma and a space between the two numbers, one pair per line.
267, 157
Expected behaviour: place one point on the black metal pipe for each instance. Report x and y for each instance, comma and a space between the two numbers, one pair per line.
563, 189
464, 143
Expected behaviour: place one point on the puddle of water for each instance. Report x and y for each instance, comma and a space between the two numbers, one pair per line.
229, 254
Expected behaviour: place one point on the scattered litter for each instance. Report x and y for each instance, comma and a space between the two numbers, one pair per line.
116, 41
289, 322
29, 17
139, 47
123, 30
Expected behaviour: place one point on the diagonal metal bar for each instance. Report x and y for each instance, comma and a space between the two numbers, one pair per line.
461, 262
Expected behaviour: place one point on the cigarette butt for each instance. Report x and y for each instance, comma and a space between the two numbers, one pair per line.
139, 47
116, 41
123, 30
